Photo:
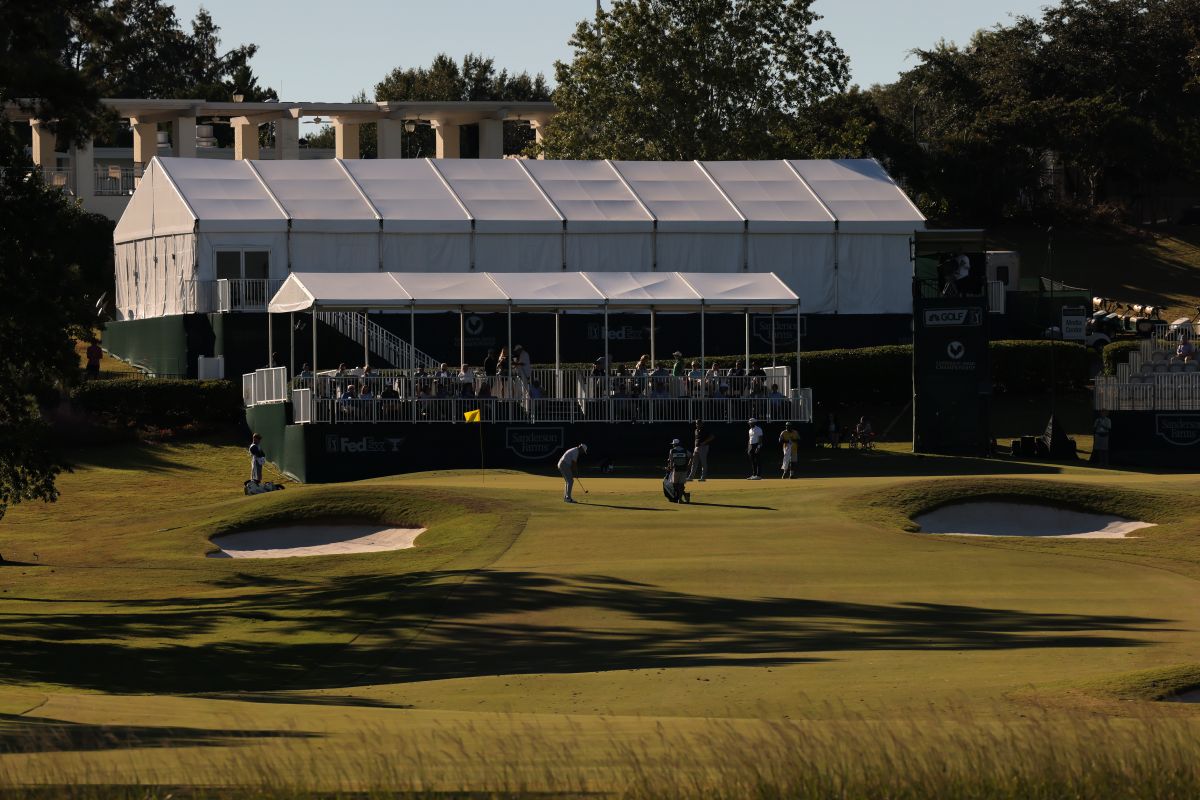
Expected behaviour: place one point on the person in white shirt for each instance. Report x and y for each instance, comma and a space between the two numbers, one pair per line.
754, 450
523, 364
566, 466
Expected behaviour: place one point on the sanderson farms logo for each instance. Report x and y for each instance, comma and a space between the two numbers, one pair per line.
534, 443
1178, 429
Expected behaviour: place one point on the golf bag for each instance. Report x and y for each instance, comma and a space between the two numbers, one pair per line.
669, 491
250, 487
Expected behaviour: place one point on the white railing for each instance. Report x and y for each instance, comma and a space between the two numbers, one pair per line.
302, 406
116, 180
1156, 392
245, 294
265, 386
379, 340
997, 297
198, 297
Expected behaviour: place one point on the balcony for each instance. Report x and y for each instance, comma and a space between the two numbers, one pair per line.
224, 296
117, 181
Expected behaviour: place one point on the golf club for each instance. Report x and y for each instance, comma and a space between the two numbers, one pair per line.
581, 486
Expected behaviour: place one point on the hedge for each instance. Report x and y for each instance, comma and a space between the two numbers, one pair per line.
1115, 353
165, 403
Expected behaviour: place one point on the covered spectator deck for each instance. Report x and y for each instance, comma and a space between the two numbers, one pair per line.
411, 392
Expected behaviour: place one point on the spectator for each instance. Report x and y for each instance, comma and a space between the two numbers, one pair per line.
94, 354
305, 370
535, 390
442, 379
864, 435
735, 378
1101, 428
523, 363
489, 363
485, 391
758, 378
833, 431
695, 377
659, 379
364, 393
677, 366
640, 371
1186, 350
754, 450
389, 393
777, 400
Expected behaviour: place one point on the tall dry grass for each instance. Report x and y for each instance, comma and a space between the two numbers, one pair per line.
1035, 754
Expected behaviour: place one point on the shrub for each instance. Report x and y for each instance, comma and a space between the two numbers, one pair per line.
1023, 366
161, 404
1115, 353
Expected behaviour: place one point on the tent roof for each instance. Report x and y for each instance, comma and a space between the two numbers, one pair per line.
510, 196
499, 195
410, 195
330, 291
861, 195
681, 196
771, 196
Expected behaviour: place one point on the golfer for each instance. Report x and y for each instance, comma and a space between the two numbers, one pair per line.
566, 465
789, 440
257, 458
700, 453
754, 450
677, 475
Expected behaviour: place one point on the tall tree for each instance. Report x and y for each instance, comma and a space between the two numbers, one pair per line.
685, 79
44, 305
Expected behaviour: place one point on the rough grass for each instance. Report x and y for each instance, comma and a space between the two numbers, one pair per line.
779, 639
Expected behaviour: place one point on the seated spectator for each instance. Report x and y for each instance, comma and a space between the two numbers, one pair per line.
535, 390
389, 393
775, 393
305, 371
1186, 350
485, 391
365, 393
736, 379
864, 435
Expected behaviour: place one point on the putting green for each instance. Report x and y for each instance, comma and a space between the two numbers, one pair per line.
521, 622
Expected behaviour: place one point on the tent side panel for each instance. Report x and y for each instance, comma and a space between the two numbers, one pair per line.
802, 261
874, 275
610, 252
125, 295
426, 252
699, 252
335, 252
518, 252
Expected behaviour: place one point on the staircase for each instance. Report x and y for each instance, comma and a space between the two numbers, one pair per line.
380, 341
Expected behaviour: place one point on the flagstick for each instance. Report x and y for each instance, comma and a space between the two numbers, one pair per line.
482, 471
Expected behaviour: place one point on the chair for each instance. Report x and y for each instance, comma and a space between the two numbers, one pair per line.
1158, 355
114, 172
1176, 366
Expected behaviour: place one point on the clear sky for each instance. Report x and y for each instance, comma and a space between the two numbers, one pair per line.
322, 50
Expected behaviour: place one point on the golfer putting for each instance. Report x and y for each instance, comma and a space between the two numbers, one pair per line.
567, 466
675, 482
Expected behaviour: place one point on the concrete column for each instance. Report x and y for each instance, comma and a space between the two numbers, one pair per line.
447, 138
346, 139
43, 145
287, 138
539, 132
145, 141
491, 138
183, 137
389, 134
83, 172
245, 141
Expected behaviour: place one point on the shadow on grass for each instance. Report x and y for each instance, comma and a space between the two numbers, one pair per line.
730, 505
20, 734
345, 631
133, 457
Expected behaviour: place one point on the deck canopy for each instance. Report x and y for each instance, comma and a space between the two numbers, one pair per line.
382, 291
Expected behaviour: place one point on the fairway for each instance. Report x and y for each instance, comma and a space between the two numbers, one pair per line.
555, 646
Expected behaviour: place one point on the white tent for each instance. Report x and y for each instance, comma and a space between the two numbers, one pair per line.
835, 232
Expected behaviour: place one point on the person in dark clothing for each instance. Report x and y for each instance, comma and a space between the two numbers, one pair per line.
489, 363
257, 458
703, 438
677, 471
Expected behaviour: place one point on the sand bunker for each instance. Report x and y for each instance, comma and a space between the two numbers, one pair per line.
314, 540
1021, 519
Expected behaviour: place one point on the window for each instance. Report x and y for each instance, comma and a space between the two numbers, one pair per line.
237, 264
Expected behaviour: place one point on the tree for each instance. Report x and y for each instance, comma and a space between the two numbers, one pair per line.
475, 79
44, 305
689, 79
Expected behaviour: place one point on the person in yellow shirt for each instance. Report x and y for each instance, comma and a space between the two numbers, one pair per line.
789, 440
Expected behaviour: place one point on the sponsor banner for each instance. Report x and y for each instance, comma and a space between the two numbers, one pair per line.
1181, 430
362, 444
534, 443
944, 317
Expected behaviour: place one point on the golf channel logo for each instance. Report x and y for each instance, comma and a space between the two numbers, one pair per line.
946, 317
956, 350
1181, 430
534, 443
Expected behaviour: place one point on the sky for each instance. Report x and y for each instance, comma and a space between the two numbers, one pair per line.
315, 50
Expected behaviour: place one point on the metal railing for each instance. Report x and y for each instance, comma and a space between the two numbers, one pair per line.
246, 294
379, 340
1155, 392
265, 386
115, 180
997, 297
302, 406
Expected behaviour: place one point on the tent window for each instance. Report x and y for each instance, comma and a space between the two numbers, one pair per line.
237, 264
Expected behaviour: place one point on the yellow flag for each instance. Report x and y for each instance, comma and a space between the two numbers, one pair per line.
471, 416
